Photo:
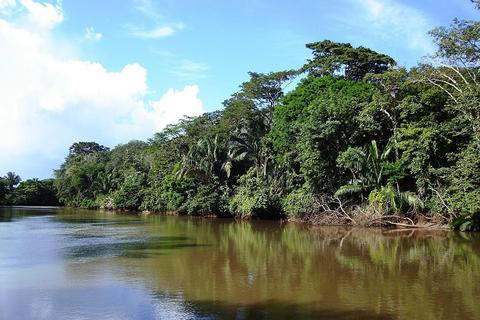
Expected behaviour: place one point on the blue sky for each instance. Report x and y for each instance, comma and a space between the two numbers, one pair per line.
113, 70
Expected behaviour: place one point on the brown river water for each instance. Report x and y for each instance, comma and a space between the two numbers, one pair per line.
76, 264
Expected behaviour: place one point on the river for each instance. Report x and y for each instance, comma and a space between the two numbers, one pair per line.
77, 264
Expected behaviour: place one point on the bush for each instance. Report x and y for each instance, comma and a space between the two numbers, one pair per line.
105, 202
129, 196
467, 223
208, 199
253, 197
170, 195
382, 200
299, 202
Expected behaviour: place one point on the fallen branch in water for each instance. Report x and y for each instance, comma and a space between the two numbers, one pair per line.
383, 219
411, 226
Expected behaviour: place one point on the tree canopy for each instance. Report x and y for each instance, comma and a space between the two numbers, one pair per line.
334, 58
357, 140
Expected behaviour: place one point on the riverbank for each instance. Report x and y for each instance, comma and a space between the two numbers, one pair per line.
350, 219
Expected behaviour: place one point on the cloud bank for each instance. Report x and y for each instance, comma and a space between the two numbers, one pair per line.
51, 99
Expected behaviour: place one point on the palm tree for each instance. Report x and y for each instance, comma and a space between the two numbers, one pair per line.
368, 175
105, 183
12, 180
234, 154
249, 145
367, 169
202, 158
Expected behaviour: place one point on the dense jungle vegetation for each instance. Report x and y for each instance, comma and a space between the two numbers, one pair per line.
34, 192
359, 140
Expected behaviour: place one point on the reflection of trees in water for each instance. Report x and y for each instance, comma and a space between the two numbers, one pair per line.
281, 310
5, 215
269, 270
427, 275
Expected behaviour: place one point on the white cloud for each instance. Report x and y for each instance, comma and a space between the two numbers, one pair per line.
190, 70
150, 13
51, 99
390, 19
147, 8
375, 7
92, 35
173, 105
157, 32
7, 4
43, 14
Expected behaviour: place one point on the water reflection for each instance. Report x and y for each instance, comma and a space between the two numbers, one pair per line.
98, 265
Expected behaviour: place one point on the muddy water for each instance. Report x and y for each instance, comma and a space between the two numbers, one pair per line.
73, 264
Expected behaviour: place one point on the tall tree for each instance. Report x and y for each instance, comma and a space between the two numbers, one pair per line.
84, 148
335, 58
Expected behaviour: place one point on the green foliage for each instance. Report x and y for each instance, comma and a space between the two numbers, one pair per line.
130, 193
84, 148
170, 195
330, 58
369, 169
382, 200
387, 199
299, 202
4, 190
466, 223
36, 193
460, 41
209, 199
253, 197
464, 182
315, 123
12, 180
355, 129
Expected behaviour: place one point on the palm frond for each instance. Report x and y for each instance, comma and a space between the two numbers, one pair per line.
349, 189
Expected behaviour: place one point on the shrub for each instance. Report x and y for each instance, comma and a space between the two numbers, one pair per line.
208, 199
253, 197
299, 202
129, 195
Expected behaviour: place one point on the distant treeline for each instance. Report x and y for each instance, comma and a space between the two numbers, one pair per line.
359, 140
34, 192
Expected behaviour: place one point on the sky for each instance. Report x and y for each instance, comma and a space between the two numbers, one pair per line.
111, 71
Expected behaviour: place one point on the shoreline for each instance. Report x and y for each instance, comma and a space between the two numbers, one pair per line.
309, 220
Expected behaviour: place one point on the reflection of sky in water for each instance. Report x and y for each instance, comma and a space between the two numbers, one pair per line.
103, 302
38, 254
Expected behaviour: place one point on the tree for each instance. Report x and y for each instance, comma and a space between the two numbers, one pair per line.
372, 172
458, 44
35, 192
4, 190
334, 58
326, 126
265, 91
247, 145
368, 168
12, 180
355, 131
84, 148
454, 69
202, 159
